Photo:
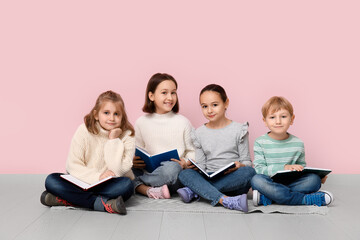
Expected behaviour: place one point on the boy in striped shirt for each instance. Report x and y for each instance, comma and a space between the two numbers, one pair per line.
278, 150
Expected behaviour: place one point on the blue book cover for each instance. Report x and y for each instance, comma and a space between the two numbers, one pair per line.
153, 161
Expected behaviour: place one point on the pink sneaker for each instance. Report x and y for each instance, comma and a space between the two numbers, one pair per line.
159, 192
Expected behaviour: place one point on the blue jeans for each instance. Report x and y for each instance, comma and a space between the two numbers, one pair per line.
286, 193
113, 188
232, 184
167, 174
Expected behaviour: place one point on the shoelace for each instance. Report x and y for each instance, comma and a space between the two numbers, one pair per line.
108, 207
155, 193
265, 201
62, 201
230, 204
315, 198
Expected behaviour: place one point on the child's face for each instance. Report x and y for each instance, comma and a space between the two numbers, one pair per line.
212, 106
279, 122
164, 97
109, 115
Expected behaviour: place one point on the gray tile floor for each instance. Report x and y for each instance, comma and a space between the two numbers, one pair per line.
23, 217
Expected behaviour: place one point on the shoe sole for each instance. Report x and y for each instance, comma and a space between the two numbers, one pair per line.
42, 198
120, 205
256, 198
165, 191
183, 195
244, 202
330, 196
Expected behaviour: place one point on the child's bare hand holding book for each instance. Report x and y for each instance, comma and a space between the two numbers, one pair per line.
138, 162
237, 166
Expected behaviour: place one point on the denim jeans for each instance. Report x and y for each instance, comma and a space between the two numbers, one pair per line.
167, 174
286, 193
113, 188
232, 184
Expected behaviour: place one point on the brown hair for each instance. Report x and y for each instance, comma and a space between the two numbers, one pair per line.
276, 103
114, 97
215, 88
154, 81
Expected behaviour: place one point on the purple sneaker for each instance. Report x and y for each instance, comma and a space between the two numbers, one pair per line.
186, 194
236, 203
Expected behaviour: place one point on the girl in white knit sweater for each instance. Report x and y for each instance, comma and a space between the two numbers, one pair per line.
103, 146
160, 130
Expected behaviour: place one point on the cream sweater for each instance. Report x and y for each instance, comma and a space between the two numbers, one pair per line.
91, 155
162, 132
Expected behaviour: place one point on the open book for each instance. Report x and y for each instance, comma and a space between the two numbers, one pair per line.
218, 173
85, 186
153, 161
290, 175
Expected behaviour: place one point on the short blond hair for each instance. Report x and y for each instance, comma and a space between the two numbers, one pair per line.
276, 103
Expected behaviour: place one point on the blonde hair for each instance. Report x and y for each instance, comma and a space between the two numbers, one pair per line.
114, 97
276, 103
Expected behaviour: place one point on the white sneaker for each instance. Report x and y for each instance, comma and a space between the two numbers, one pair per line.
256, 198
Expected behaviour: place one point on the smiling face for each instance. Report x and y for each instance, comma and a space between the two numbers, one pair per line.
278, 123
109, 115
164, 97
213, 107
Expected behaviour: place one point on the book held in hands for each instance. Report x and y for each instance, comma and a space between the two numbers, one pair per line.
292, 175
153, 161
85, 186
217, 173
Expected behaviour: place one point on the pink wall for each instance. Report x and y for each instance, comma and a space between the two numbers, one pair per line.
55, 58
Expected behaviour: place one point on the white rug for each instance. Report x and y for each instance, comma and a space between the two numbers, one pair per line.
142, 203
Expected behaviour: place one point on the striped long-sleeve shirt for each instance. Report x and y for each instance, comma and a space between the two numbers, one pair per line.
272, 155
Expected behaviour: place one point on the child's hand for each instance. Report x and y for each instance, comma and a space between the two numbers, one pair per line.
323, 180
294, 167
106, 174
138, 163
181, 162
191, 166
115, 133
237, 166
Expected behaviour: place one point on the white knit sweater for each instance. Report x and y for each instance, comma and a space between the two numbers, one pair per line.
91, 155
162, 132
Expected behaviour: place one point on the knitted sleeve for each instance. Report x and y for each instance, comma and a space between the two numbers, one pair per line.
301, 159
119, 153
189, 146
243, 145
76, 162
138, 137
260, 164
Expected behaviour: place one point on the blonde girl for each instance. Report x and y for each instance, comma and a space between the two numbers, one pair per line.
102, 146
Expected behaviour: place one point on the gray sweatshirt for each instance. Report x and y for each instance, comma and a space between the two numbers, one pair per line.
215, 148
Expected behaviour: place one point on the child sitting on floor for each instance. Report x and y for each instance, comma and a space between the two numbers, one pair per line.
278, 150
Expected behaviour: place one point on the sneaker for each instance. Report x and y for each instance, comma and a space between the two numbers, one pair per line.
236, 203
321, 198
159, 192
329, 197
116, 205
51, 200
187, 195
260, 199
